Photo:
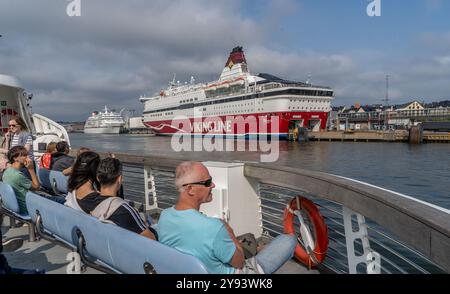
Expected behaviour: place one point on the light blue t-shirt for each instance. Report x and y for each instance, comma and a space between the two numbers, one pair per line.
204, 237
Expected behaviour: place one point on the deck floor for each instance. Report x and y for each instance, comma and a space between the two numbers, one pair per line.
42, 255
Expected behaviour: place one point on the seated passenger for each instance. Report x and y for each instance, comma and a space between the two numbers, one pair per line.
47, 157
68, 171
61, 161
107, 206
83, 179
210, 239
18, 158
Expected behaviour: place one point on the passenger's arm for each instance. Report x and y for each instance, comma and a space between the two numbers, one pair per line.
67, 171
29, 143
128, 218
148, 234
238, 259
34, 180
5, 143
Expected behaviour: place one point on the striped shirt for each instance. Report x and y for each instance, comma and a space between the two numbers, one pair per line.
15, 141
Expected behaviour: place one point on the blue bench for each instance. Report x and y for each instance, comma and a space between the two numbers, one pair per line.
43, 175
58, 182
107, 247
10, 207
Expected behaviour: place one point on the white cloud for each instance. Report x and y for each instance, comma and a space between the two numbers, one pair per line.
118, 50
443, 60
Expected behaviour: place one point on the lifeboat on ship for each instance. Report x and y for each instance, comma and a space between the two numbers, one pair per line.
238, 82
223, 85
211, 88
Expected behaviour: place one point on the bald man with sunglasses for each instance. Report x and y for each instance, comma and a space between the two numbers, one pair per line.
210, 239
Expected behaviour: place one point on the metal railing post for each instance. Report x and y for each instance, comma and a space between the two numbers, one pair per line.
371, 258
149, 189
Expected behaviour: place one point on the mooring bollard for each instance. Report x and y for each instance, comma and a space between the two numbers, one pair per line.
416, 134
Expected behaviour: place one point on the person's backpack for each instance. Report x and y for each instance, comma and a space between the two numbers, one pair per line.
249, 244
106, 208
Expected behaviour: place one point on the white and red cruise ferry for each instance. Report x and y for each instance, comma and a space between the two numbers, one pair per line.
238, 96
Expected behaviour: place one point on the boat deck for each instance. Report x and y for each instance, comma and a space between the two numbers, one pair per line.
42, 255
51, 257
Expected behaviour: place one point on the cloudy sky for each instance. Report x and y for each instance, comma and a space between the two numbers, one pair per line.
118, 50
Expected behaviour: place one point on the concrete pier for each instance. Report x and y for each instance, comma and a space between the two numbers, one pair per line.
377, 136
360, 136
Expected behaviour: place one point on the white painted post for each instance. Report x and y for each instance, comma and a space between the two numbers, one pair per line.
371, 258
149, 180
235, 198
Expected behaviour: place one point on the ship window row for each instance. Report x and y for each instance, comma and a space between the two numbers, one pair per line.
230, 112
234, 105
308, 101
242, 98
189, 100
161, 114
308, 108
303, 92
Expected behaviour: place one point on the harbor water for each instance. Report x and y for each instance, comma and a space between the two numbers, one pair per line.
420, 171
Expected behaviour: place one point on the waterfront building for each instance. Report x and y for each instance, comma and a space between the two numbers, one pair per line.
377, 117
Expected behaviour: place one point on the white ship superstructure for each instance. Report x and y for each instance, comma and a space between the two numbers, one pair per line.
238, 93
15, 101
107, 122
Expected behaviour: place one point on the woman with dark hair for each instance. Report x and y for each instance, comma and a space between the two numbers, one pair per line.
83, 180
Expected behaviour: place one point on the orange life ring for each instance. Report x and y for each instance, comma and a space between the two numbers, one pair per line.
320, 231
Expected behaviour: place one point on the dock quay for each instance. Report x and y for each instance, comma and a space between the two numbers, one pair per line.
139, 131
376, 136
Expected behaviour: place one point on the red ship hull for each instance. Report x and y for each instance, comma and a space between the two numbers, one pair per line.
250, 125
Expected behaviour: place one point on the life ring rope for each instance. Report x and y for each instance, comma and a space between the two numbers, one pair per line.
304, 251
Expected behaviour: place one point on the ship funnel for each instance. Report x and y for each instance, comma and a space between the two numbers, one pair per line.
236, 65
236, 56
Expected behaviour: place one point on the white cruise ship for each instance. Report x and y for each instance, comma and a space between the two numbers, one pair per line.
213, 108
107, 122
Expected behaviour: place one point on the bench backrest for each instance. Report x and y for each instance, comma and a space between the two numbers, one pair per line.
131, 250
43, 175
122, 250
59, 181
57, 219
8, 196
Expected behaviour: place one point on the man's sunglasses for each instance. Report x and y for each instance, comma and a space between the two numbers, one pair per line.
12, 125
206, 183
